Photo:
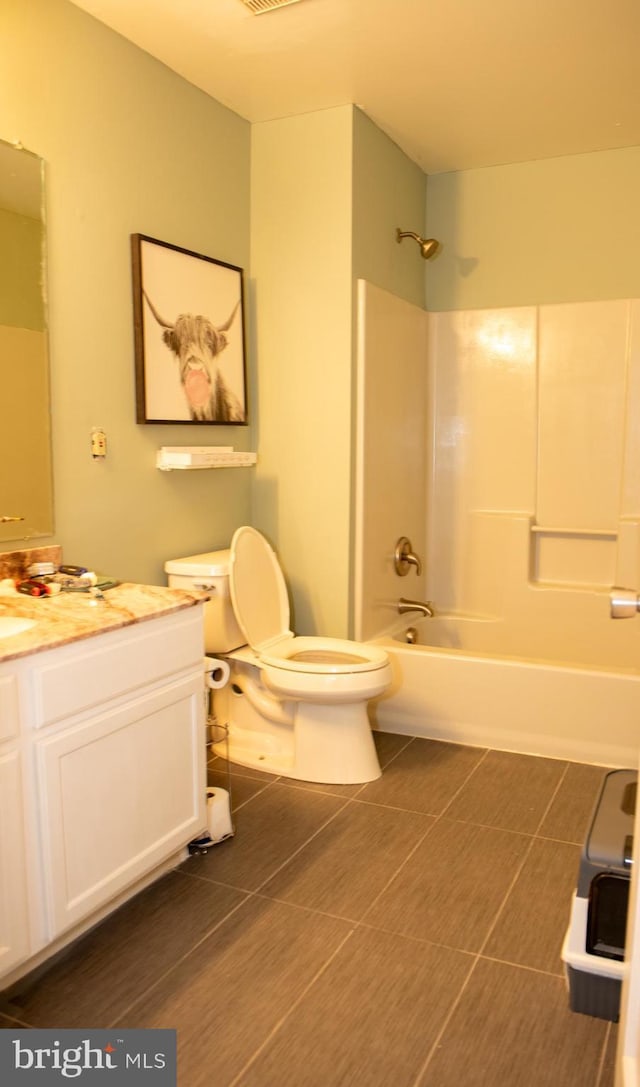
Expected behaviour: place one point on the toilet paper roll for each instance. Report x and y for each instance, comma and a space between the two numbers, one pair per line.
219, 822
217, 672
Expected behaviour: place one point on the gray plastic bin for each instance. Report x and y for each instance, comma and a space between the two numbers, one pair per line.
593, 950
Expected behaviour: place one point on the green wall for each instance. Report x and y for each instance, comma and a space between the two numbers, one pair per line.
558, 230
131, 147
329, 190
128, 147
389, 191
301, 264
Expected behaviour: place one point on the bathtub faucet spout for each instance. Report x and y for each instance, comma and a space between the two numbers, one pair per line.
415, 605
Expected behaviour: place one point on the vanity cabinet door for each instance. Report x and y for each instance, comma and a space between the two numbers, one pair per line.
14, 923
118, 794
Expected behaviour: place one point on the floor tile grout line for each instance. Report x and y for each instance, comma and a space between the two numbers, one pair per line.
418, 811
466, 781
552, 798
395, 807
253, 890
259, 889
603, 1055
398, 870
353, 921
517, 966
293, 783
520, 868
503, 904
20, 1023
436, 1042
521, 966
453, 947
456, 948
525, 856
438, 818
303, 845
558, 841
253, 796
392, 758
276, 1028
178, 962
214, 882
361, 922
248, 895
357, 923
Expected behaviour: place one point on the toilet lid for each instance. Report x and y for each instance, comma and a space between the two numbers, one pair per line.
258, 590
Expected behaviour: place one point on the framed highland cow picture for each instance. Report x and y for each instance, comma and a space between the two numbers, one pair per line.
188, 316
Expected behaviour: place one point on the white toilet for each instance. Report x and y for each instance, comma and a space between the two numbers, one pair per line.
293, 706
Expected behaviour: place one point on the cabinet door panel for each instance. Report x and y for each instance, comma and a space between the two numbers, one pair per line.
119, 794
9, 705
14, 926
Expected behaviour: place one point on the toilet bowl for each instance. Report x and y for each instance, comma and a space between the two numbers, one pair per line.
295, 706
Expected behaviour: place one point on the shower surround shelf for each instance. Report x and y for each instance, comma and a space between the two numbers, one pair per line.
558, 530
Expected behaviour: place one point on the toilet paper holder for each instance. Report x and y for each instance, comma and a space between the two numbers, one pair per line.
217, 673
219, 822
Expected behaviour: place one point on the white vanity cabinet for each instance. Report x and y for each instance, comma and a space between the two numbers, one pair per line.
14, 923
113, 771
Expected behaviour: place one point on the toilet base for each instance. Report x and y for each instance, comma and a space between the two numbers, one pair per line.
326, 745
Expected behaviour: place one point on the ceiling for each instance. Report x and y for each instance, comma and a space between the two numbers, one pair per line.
456, 83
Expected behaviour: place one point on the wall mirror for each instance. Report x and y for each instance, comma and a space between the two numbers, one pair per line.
26, 490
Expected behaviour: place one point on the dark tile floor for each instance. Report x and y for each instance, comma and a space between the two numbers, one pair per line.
405, 932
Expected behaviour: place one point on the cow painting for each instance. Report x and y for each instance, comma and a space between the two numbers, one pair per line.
198, 344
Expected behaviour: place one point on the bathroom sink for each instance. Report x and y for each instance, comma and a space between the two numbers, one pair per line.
14, 624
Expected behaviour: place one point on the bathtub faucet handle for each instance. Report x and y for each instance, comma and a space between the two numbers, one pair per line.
625, 603
404, 558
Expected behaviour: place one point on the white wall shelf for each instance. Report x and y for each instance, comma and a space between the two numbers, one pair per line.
189, 460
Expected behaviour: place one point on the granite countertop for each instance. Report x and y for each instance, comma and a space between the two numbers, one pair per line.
68, 617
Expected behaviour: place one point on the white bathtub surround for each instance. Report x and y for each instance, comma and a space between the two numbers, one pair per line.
524, 421
534, 417
531, 513
457, 686
391, 455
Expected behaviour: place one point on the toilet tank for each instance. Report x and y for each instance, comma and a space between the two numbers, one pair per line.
209, 572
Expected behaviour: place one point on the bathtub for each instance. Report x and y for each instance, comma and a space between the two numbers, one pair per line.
454, 685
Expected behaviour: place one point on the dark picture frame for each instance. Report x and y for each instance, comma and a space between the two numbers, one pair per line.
188, 317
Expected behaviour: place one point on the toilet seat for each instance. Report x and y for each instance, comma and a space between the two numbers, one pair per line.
335, 656
261, 605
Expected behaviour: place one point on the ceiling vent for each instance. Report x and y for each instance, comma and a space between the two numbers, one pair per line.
259, 7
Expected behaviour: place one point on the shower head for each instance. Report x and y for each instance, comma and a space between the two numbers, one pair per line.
428, 246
